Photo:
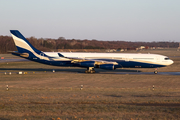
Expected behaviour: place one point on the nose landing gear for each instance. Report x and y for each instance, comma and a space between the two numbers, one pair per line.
156, 71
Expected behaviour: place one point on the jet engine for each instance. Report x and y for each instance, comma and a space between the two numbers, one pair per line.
87, 64
107, 66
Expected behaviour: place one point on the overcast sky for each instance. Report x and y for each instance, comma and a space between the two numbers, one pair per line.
127, 20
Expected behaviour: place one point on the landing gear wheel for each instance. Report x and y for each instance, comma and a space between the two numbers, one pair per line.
90, 70
155, 72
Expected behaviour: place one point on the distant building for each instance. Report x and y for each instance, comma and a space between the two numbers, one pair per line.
147, 47
122, 50
111, 50
140, 48
153, 48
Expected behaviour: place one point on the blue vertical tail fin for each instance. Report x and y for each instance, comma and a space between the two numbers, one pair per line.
23, 46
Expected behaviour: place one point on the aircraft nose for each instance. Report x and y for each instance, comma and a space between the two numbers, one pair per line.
171, 62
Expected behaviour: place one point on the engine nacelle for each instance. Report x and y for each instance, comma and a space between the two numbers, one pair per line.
87, 64
107, 66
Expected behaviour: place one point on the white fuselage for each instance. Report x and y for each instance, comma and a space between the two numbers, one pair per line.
127, 57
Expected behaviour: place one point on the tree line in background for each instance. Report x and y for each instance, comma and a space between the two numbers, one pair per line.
7, 44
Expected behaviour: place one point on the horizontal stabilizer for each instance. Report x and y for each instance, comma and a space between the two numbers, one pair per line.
20, 54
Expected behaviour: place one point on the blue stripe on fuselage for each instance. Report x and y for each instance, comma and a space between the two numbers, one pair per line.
132, 64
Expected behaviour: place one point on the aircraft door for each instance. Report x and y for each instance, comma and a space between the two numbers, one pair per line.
127, 58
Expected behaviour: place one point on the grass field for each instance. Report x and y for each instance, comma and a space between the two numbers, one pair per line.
42, 94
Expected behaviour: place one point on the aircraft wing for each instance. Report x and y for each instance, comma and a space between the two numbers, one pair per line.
78, 60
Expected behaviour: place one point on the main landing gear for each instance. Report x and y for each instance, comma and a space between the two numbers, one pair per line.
155, 71
90, 70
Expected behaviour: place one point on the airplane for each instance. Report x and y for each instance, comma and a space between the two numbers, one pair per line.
107, 61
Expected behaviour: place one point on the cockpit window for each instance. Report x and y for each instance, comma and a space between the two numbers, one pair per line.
166, 58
